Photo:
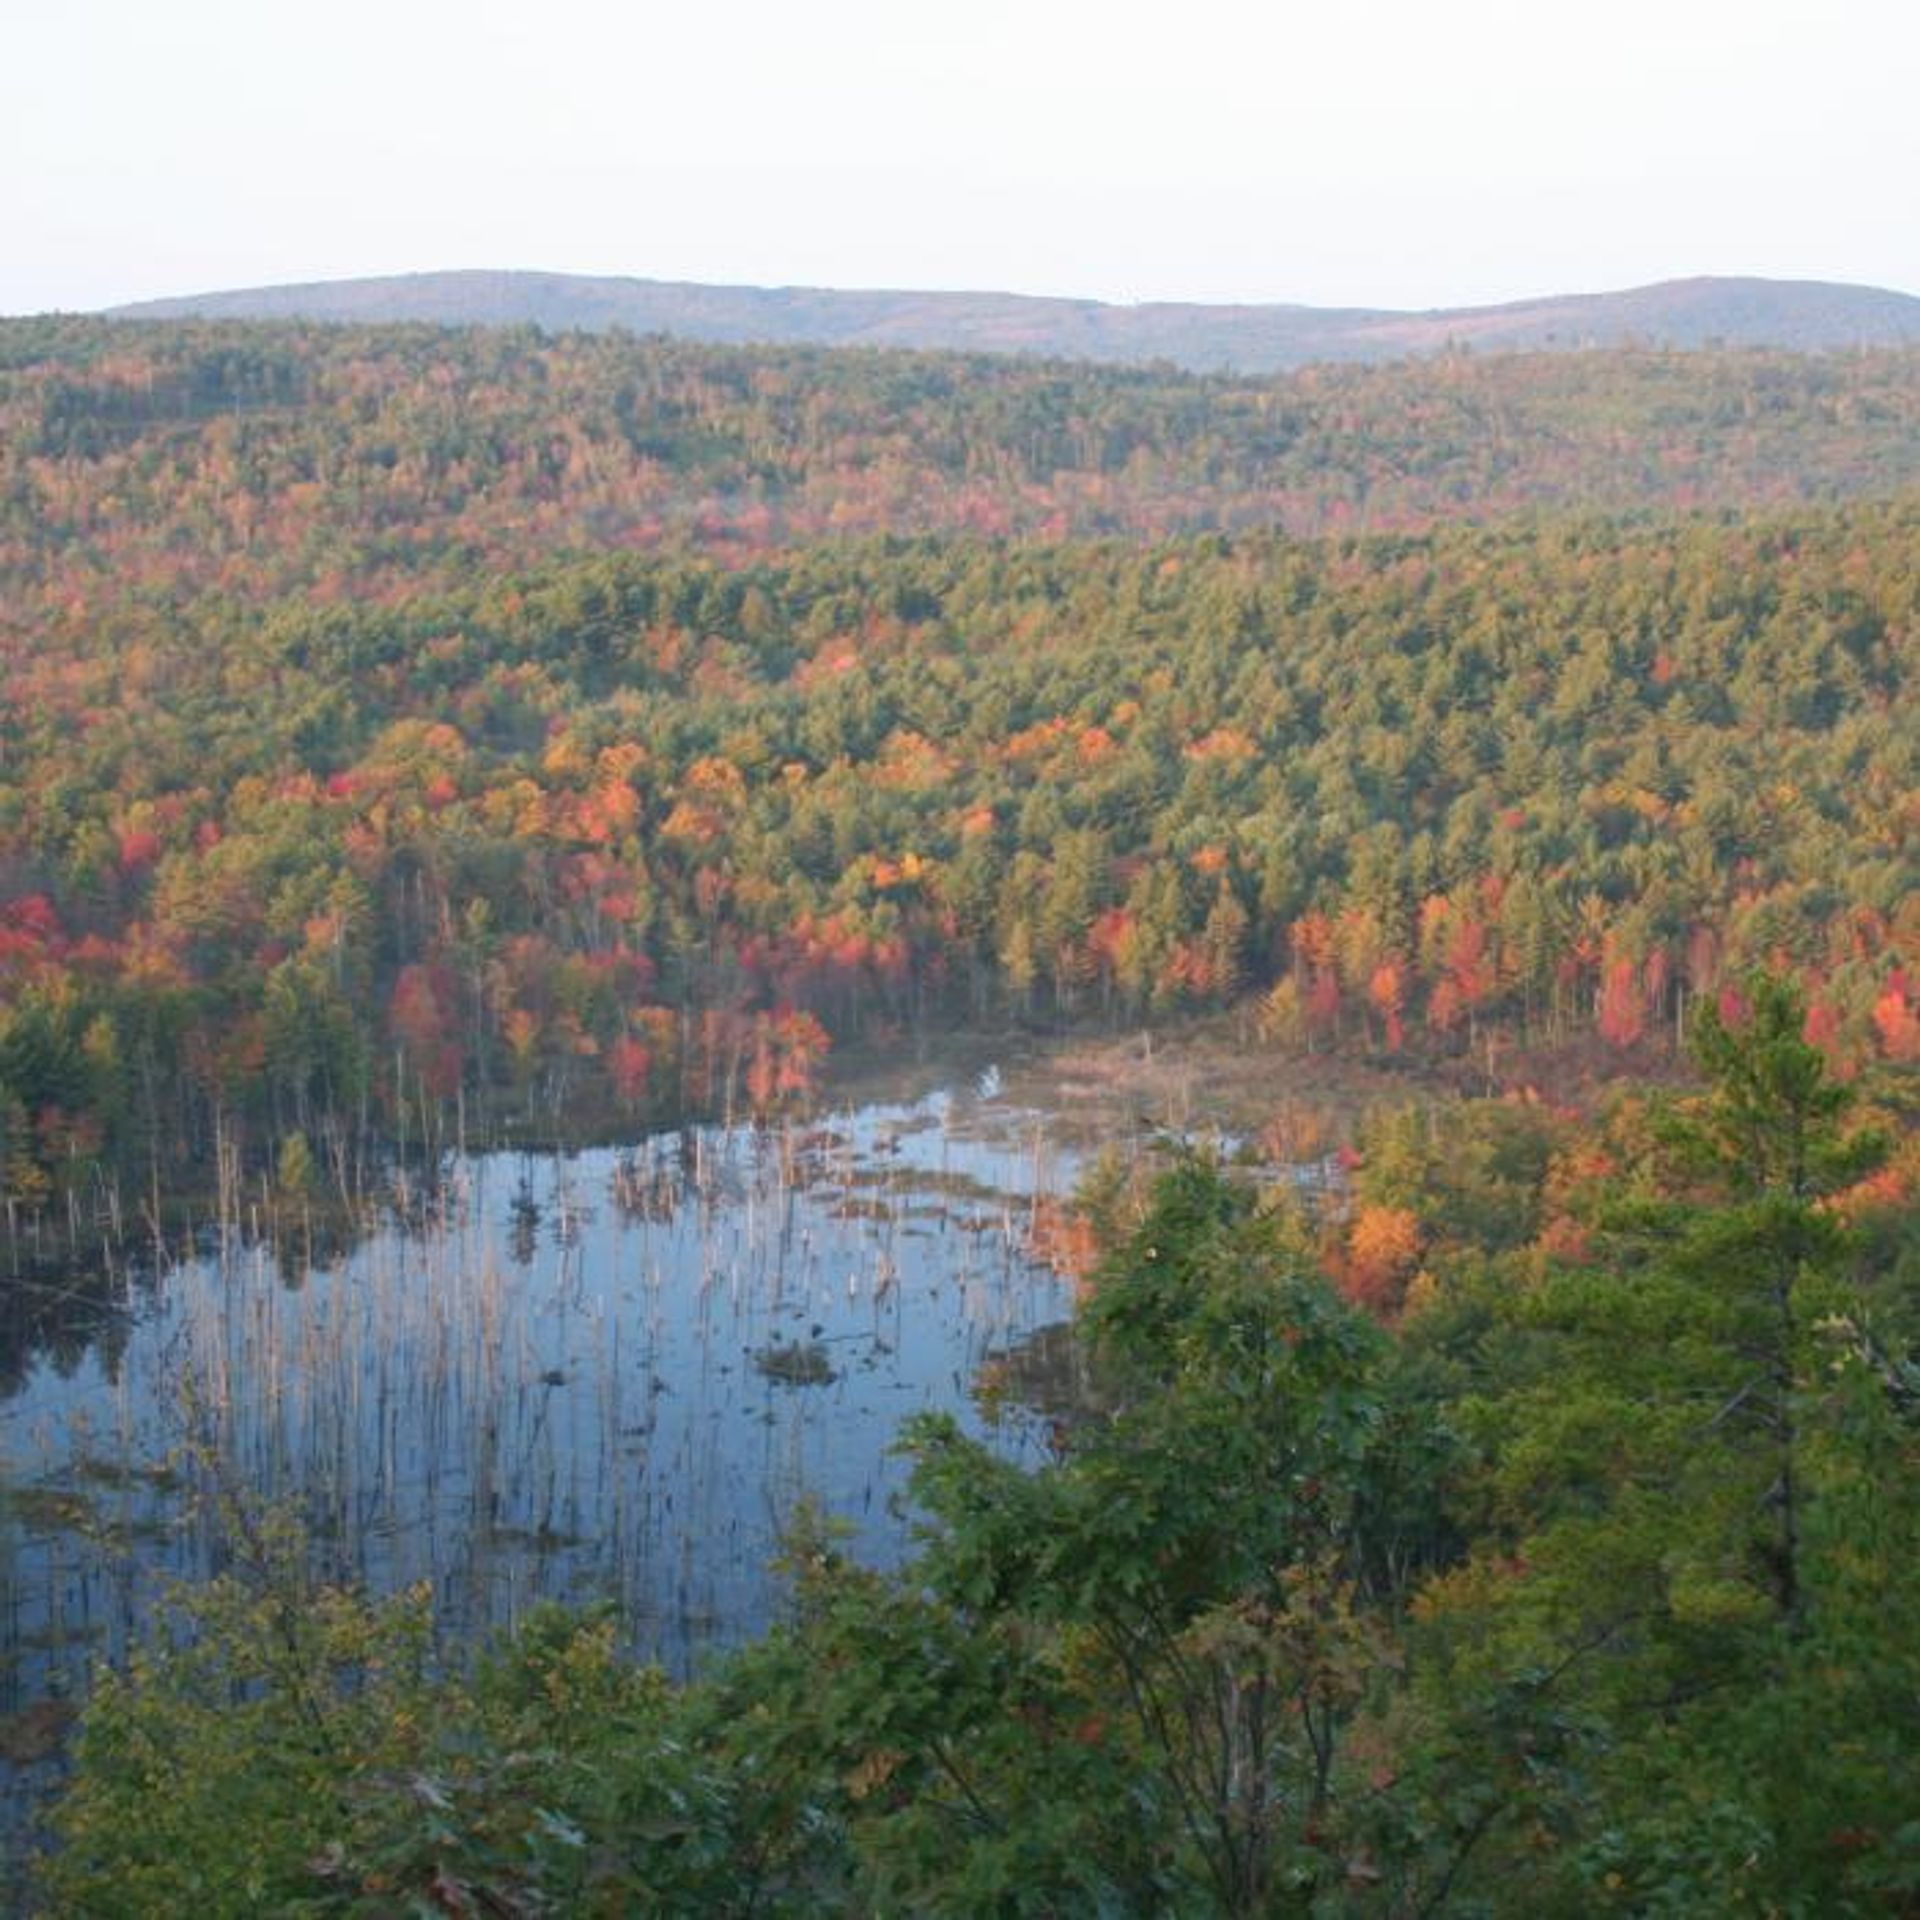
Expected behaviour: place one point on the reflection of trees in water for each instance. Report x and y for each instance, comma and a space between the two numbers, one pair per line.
60, 1311
622, 1416
1050, 1373
61, 1322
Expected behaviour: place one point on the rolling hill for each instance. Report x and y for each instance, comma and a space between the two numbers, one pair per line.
1800, 314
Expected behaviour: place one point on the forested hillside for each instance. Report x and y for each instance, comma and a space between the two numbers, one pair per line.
410, 736
401, 723
251, 462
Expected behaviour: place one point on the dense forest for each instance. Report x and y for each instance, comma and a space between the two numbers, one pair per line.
253, 461
410, 733
329, 810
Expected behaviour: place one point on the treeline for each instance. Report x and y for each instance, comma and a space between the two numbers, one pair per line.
623, 834
1590, 1589
256, 460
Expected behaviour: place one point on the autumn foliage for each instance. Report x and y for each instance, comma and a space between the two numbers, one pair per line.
403, 724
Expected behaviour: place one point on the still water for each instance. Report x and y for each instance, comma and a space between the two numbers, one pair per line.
605, 1376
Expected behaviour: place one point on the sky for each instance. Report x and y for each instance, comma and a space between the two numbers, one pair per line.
1403, 153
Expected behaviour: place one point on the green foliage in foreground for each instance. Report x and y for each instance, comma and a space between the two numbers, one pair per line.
1593, 1592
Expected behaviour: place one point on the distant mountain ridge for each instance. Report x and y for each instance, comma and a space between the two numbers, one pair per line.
1807, 315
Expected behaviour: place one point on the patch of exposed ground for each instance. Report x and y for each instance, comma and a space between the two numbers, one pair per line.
1213, 1075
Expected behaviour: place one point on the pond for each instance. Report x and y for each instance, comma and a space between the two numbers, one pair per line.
610, 1375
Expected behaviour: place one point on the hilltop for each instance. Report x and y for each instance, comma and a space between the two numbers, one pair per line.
1805, 315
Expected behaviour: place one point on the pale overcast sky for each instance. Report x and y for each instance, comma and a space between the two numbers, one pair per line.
1404, 153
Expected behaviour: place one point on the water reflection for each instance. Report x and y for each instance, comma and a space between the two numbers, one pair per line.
610, 1375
